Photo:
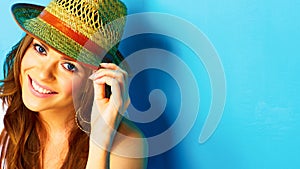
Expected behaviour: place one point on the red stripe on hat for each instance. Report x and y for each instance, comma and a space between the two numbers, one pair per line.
76, 36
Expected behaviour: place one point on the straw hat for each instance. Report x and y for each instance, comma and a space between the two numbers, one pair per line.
84, 30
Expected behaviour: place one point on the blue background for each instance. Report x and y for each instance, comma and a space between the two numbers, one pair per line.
257, 42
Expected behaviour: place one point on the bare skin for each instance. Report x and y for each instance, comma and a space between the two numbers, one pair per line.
47, 79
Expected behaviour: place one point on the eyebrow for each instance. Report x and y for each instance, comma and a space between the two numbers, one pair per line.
47, 48
68, 58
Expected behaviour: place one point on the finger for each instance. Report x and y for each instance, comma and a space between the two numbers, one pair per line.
116, 74
109, 66
99, 90
101, 73
112, 66
116, 96
108, 72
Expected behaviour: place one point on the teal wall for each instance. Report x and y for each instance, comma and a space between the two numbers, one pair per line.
257, 44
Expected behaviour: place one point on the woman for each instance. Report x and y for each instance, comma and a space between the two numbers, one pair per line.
54, 75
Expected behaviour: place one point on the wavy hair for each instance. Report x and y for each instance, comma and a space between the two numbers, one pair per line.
23, 129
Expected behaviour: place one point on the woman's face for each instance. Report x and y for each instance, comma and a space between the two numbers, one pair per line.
48, 79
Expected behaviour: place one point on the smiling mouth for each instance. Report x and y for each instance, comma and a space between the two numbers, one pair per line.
40, 89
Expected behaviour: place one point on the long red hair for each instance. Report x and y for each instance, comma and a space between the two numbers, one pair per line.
23, 128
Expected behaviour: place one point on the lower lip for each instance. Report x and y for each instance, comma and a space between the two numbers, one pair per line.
37, 94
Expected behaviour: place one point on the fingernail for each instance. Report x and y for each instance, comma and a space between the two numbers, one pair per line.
92, 76
103, 64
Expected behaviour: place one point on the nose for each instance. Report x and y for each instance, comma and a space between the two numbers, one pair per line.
47, 70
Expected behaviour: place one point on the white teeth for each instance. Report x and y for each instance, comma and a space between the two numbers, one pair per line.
40, 89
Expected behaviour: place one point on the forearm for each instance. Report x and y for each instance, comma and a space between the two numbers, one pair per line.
98, 157
101, 139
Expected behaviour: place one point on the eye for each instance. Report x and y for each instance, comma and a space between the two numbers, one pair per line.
40, 49
70, 67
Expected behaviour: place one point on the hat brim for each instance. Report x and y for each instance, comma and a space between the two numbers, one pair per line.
26, 16
24, 11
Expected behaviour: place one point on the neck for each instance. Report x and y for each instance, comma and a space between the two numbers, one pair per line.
58, 125
57, 121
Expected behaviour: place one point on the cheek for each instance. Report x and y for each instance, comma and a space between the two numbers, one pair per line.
67, 86
27, 62
29, 59
73, 87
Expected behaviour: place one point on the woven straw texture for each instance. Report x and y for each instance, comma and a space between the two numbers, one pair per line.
100, 21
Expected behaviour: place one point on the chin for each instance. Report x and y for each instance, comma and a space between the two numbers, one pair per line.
31, 105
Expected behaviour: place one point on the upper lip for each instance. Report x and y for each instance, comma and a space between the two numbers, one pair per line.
42, 86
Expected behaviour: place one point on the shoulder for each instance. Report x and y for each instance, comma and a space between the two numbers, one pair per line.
130, 146
129, 140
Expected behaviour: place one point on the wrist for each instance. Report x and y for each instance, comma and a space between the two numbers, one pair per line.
98, 157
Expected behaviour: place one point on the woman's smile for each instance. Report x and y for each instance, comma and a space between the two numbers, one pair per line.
40, 90
49, 78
